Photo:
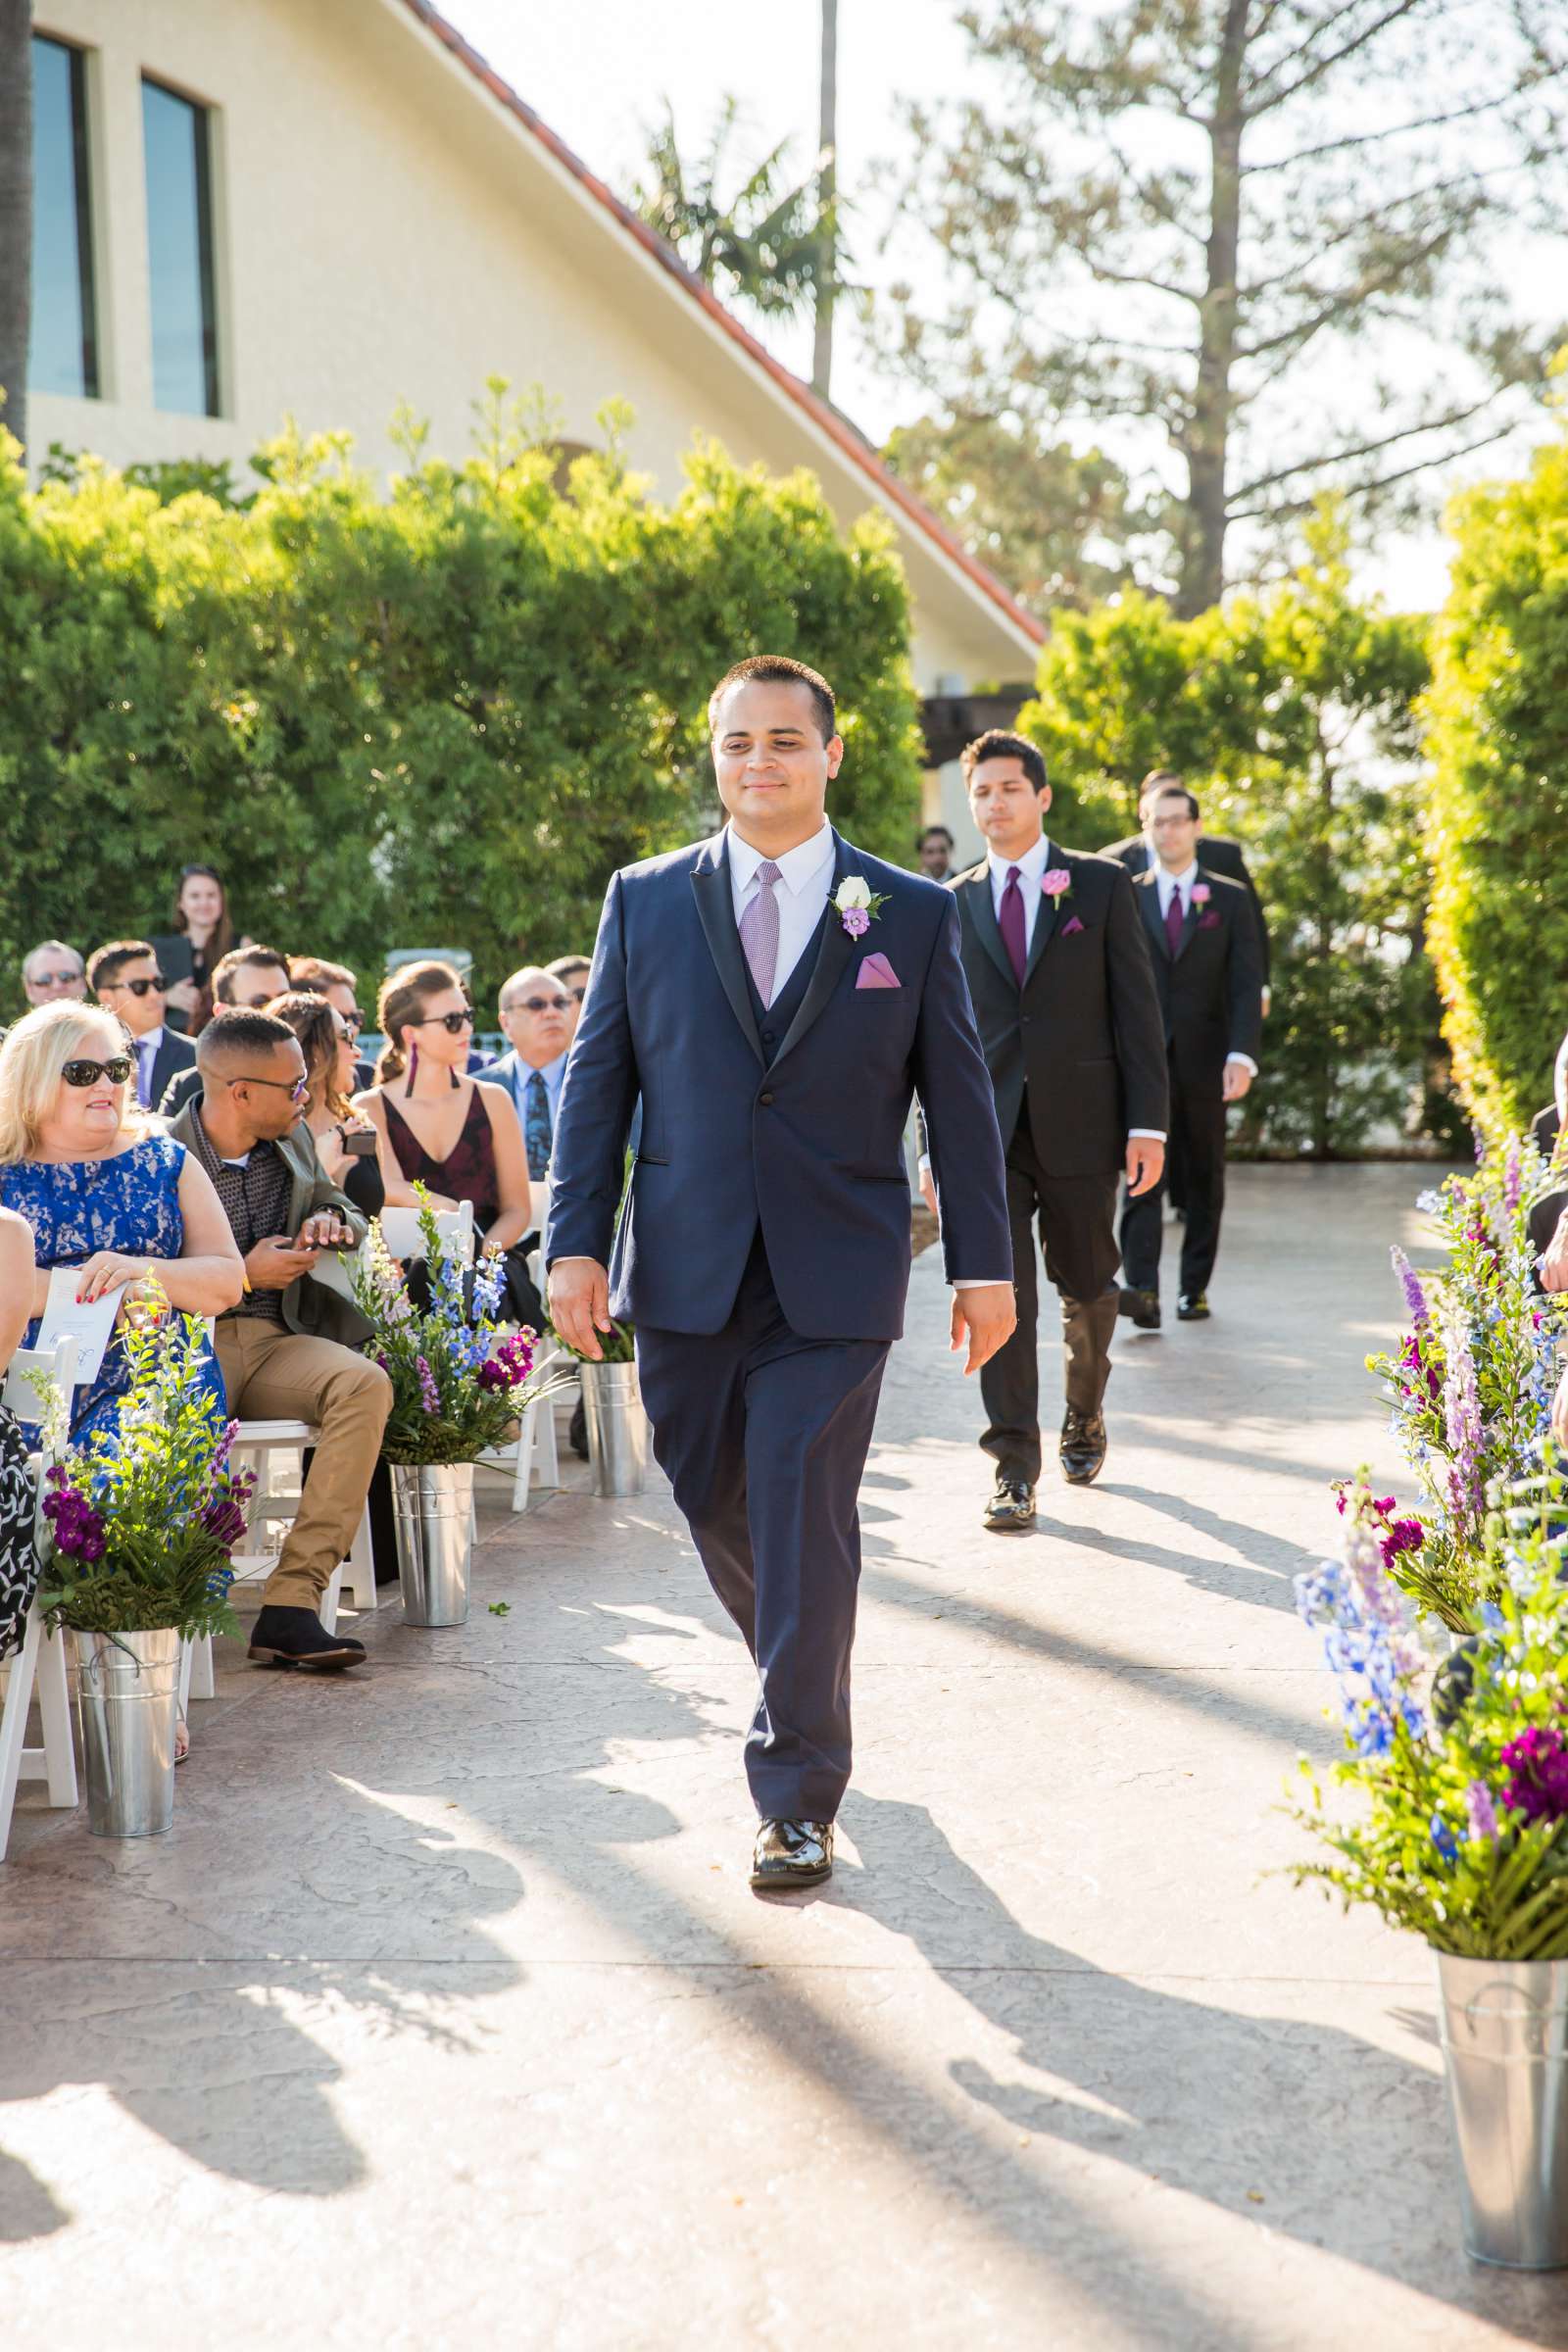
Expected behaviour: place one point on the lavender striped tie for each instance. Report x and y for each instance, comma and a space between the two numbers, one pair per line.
759, 931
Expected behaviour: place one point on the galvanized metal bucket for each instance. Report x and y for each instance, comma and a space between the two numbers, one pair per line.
433, 1504
1505, 2040
128, 1698
618, 1427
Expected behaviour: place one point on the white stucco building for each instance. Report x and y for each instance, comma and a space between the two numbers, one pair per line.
248, 208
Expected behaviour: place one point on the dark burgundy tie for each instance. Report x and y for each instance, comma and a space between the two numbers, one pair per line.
1173, 923
1015, 931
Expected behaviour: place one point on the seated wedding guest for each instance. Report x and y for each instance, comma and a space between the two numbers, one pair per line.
127, 980
456, 1135
1548, 1125
53, 973
104, 1192
19, 1559
934, 849
572, 973
538, 1016
288, 1345
341, 989
247, 977
199, 937
349, 1146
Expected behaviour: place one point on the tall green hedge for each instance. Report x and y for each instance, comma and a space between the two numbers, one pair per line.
441, 715
1496, 831
1291, 716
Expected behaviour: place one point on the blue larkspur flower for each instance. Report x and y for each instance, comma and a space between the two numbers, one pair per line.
1443, 1838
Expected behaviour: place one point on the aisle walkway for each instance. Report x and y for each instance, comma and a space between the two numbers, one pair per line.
445, 2017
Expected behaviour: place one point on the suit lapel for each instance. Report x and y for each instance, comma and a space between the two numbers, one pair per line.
1190, 918
835, 950
1147, 890
976, 888
715, 912
1045, 925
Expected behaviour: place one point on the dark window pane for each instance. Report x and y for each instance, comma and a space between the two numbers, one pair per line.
62, 356
180, 252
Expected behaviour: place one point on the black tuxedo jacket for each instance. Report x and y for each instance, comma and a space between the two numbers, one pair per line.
1212, 991
1220, 856
1084, 1033
174, 1055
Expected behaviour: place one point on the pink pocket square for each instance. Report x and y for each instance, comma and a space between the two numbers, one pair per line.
1069, 929
876, 973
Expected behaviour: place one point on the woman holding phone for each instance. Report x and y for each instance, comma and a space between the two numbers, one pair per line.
348, 1144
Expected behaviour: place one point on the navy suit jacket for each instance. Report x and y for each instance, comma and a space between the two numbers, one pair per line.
810, 1145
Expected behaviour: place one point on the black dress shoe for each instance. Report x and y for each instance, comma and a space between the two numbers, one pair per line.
1082, 1447
1141, 1307
298, 1637
1011, 1508
1193, 1307
791, 1853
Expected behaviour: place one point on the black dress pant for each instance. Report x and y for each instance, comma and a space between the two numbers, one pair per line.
1198, 1133
1077, 1217
763, 1436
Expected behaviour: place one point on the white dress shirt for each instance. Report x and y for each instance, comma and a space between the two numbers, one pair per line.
806, 878
1030, 866
1167, 884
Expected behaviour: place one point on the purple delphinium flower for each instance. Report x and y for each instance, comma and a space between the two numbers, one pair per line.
855, 920
1415, 1297
1461, 1413
429, 1390
1481, 1809
1513, 1178
1539, 1762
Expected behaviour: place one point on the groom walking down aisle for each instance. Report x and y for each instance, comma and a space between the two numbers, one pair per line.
1066, 1001
775, 998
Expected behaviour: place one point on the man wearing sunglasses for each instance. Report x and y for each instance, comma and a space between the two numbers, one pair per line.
127, 981
289, 1349
53, 973
538, 1018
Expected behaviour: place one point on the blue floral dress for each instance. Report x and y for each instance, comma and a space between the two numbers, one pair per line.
129, 1203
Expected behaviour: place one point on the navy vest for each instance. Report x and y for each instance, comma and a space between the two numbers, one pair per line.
773, 1020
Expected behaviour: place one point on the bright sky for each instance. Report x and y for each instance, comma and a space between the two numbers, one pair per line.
598, 73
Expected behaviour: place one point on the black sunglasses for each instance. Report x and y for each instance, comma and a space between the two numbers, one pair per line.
296, 1088
450, 1022
543, 1004
353, 1022
88, 1073
139, 988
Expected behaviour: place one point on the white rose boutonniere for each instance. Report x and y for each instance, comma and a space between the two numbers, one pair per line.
857, 904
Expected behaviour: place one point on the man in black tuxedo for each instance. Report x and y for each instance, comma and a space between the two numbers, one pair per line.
1059, 977
1216, 855
125, 980
1208, 971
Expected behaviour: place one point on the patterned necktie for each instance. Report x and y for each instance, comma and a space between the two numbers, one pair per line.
537, 1133
1014, 930
1173, 921
145, 1055
759, 931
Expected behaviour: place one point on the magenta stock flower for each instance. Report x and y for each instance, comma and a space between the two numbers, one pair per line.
1403, 1534
1539, 1762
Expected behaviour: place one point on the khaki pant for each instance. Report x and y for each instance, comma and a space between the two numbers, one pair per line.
278, 1375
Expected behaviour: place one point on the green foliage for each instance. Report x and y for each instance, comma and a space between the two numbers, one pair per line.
442, 715
1289, 713
1496, 826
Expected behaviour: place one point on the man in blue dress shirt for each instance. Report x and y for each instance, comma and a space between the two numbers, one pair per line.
537, 1015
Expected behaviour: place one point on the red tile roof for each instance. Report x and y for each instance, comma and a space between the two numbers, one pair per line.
826, 418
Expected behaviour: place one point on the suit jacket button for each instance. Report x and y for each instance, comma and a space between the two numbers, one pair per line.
765, 1097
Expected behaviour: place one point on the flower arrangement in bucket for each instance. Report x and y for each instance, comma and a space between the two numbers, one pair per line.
1459, 1833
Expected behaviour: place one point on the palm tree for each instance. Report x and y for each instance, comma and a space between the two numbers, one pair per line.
761, 246
15, 208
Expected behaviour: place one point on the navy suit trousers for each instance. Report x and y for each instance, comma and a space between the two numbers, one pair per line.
763, 1436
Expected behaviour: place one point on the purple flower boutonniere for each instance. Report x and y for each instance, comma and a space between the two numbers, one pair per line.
857, 904
1057, 883
1201, 894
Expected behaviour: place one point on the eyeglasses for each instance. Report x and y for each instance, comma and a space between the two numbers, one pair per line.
544, 1004
156, 981
88, 1073
1161, 824
295, 1090
578, 994
353, 1022
452, 1022
56, 980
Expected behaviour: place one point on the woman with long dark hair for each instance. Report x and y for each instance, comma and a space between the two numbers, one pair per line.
349, 1146
199, 935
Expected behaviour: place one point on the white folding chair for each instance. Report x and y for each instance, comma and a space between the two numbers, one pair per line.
401, 1232
40, 1668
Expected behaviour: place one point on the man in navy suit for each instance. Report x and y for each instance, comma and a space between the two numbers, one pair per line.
775, 996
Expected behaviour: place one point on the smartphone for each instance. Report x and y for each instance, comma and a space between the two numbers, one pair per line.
361, 1142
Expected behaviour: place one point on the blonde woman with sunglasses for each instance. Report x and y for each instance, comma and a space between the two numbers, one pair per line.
103, 1188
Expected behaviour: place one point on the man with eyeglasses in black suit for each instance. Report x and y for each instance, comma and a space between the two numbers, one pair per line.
125, 980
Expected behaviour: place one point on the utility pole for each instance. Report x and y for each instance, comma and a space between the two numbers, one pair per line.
16, 209
826, 196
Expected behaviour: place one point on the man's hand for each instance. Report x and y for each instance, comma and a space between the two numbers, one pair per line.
277, 1262
1236, 1080
579, 1304
928, 1190
988, 1312
1555, 1267
1268, 1001
326, 1230
1145, 1163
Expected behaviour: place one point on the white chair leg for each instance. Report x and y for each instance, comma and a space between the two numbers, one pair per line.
357, 1577
199, 1681
546, 1445
54, 1709
14, 1723
525, 1461
327, 1612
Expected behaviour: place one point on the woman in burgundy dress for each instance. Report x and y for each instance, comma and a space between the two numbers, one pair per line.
462, 1141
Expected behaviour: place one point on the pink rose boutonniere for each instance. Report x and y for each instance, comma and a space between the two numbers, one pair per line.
1057, 882
1201, 894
